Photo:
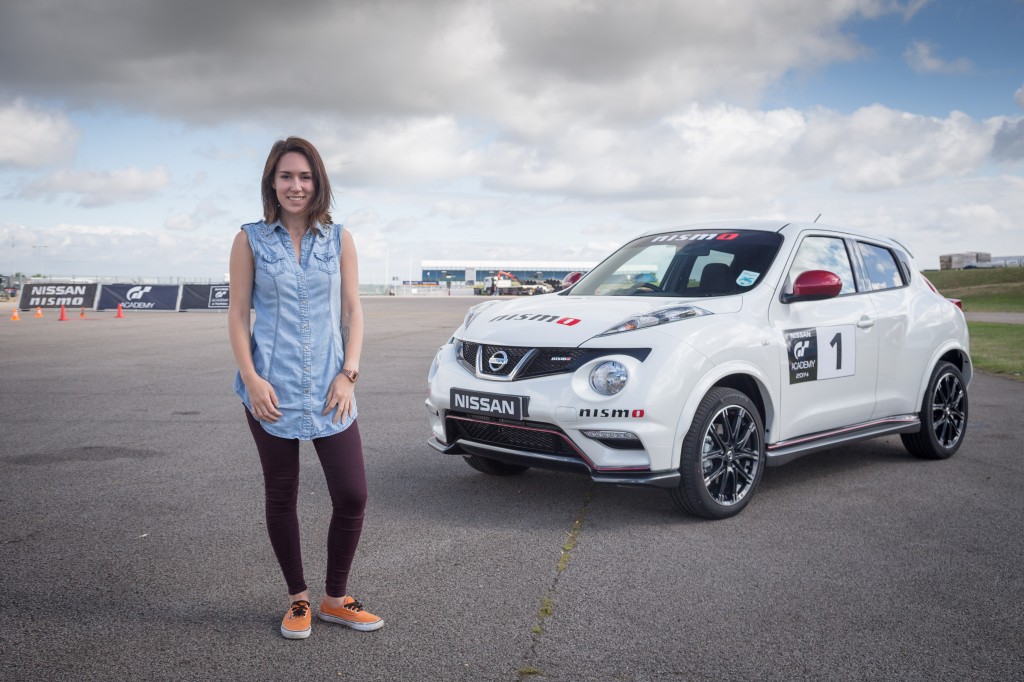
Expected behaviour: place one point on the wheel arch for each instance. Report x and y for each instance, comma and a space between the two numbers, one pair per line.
743, 377
953, 354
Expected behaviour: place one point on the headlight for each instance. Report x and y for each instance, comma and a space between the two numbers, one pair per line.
475, 310
609, 377
656, 317
434, 365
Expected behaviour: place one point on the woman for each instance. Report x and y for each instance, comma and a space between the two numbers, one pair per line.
297, 370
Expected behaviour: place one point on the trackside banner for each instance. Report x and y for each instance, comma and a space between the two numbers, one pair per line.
204, 297
139, 296
57, 295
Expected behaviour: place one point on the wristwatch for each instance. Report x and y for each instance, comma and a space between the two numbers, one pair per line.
351, 374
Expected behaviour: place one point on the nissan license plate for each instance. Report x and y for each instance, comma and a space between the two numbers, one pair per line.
491, 404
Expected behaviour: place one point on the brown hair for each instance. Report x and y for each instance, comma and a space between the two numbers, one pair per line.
320, 207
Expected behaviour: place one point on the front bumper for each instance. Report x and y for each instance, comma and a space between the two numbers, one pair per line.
669, 479
560, 410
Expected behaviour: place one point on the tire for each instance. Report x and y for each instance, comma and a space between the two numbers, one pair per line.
943, 415
725, 440
493, 466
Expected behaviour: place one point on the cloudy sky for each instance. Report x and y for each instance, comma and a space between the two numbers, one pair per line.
133, 132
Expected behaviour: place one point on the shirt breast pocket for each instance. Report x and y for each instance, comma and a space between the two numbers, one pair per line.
271, 263
326, 261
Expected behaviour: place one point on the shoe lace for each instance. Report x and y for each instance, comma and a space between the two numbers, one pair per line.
299, 608
354, 605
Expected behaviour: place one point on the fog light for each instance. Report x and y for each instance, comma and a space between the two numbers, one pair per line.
609, 435
609, 377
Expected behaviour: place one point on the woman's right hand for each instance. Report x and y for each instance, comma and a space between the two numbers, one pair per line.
263, 400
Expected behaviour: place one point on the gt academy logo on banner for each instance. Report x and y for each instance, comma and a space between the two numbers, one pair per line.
219, 296
818, 353
139, 297
204, 297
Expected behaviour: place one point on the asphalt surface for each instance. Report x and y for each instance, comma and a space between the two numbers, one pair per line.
133, 547
1000, 318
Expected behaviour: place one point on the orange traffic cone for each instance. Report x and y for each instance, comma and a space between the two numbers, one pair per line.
15, 317
120, 313
39, 311
81, 315
63, 315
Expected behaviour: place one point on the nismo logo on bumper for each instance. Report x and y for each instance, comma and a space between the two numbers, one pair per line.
567, 321
613, 414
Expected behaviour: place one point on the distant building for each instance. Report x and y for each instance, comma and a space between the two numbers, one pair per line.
958, 261
469, 272
1008, 261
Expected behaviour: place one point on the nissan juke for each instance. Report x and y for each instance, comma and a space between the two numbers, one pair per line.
692, 358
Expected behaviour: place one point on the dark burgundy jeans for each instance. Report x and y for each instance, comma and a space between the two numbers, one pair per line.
341, 457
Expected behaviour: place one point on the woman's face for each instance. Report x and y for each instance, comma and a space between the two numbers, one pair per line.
293, 183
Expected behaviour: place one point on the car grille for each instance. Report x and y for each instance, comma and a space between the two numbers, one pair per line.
543, 362
529, 436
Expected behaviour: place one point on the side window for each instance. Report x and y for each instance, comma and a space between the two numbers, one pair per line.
823, 253
882, 268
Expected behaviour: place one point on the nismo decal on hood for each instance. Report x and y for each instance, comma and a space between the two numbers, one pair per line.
527, 317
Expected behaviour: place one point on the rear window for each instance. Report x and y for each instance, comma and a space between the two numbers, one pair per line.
882, 268
693, 264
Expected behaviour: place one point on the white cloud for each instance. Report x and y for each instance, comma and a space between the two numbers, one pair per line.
921, 58
531, 65
205, 213
397, 152
1018, 97
719, 152
32, 138
878, 148
87, 250
99, 188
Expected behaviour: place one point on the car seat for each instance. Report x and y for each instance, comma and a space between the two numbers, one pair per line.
716, 278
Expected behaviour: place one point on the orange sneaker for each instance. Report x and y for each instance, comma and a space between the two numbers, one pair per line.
352, 614
296, 622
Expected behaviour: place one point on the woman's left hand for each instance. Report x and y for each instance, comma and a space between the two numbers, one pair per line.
339, 398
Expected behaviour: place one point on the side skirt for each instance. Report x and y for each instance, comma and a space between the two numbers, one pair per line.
787, 451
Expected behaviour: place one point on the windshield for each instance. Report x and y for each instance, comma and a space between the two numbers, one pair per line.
692, 264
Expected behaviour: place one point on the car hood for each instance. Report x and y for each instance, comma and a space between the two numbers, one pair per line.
568, 321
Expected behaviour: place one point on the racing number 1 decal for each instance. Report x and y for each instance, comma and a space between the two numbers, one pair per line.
821, 353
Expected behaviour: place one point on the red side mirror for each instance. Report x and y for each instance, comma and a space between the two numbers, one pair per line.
815, 285
571, 279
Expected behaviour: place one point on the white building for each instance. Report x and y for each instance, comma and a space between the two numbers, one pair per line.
469, 272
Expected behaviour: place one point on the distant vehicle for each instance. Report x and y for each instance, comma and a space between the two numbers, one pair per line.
754, 343
571, 279
506, 284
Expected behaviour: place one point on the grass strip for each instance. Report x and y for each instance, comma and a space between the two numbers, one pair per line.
998, 348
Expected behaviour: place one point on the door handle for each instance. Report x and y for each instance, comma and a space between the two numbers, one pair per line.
865, 322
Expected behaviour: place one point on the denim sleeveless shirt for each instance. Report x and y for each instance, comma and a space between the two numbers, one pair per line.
296, 338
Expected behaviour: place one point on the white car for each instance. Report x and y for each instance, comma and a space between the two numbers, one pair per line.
692, 358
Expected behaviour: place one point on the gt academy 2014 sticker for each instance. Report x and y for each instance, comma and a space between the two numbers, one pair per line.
818, 353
